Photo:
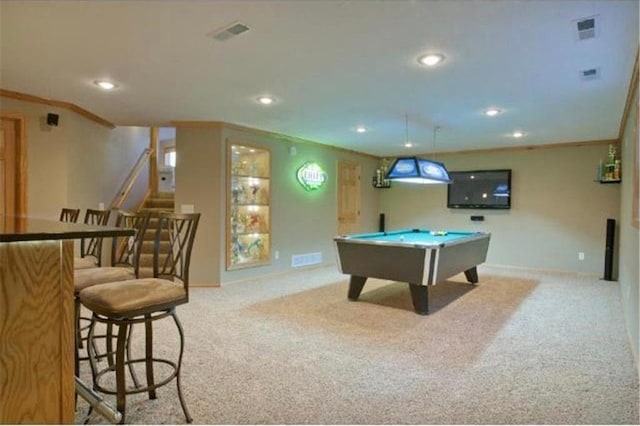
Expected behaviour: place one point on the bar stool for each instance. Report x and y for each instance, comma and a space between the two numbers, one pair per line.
91, 248
124, 261
143, 301
69, 215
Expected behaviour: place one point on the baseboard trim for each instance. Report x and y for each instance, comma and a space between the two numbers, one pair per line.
544, 270
280, 273
205, 285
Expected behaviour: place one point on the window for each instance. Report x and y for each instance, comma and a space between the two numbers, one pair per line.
170, 156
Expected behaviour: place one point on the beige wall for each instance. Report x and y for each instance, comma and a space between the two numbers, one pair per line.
79, 163
629, 235
557, 208
199, 173
301, 222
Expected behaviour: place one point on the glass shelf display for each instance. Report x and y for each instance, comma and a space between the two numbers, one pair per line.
248, 198
609, 172
379, 179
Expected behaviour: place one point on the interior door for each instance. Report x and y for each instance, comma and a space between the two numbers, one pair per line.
7, 167
12, 166
348, 197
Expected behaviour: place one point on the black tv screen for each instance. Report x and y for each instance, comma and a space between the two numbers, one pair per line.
480, 189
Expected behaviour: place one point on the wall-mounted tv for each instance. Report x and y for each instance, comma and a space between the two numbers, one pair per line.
480, 189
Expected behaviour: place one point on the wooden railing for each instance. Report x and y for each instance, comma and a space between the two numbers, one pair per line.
127, 185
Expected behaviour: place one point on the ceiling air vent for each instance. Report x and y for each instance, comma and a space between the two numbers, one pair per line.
229, 31
590, 74
585, 28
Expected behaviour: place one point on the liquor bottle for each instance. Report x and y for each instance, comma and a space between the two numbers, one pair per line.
600, 171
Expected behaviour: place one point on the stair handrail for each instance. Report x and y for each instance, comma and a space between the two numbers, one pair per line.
131, 178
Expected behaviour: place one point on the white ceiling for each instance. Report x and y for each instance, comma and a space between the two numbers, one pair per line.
333, 65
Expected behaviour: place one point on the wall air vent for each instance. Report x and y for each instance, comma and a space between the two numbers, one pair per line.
298, 260
585, 28
229, 31
590, 74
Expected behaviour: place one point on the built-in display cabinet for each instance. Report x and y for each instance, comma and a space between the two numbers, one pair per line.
248, 206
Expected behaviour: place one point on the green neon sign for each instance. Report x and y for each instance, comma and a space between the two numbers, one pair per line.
311, 176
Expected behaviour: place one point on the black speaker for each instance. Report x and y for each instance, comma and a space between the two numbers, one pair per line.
608, 249
52, 119
381, 224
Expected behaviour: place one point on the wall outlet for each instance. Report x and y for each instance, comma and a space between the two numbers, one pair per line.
276, 255
186, 208
581, 255
101, 206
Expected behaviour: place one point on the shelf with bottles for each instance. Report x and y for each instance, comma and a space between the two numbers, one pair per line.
249, 250
249, 219
610, 172
380, 183
249, 162
379, 180
249, 190
248, 211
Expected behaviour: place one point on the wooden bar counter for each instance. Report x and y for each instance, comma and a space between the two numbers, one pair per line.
36, 318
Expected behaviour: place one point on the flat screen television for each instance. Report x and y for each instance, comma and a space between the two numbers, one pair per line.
480, 189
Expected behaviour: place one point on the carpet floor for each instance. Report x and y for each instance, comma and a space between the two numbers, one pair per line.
523, 347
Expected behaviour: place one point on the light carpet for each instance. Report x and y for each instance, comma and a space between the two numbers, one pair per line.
523, 347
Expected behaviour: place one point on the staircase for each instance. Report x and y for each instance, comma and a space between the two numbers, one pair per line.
159, 202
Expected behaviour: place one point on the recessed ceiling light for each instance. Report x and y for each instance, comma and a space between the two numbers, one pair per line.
431, 59
492, 112
266, 100
105, 84
361, 129
518, 134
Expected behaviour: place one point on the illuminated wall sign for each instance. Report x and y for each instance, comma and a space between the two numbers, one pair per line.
311, 176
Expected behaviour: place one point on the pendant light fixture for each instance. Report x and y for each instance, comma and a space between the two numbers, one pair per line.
418, 170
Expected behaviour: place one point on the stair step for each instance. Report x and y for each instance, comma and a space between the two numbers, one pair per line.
158, 203
164, 195
155, 211
146, 260
147, 246
166, 203
150, 234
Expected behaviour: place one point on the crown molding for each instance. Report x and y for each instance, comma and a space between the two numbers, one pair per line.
60, 104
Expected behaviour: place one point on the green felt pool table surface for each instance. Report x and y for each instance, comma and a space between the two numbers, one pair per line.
414, 236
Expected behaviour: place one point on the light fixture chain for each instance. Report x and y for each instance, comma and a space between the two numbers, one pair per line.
406, 128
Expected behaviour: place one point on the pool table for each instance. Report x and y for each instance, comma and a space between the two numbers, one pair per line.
415, 256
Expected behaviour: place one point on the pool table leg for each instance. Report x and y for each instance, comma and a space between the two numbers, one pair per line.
472, 275
420, 298
355, 286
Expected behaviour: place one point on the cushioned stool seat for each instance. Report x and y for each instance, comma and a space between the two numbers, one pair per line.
83, 278
132, 298
84, 263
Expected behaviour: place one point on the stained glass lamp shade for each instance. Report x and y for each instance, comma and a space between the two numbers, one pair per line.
418, 170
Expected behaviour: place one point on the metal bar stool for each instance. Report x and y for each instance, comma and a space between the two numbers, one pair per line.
143, 301
69, 215
124, 261
91, 248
